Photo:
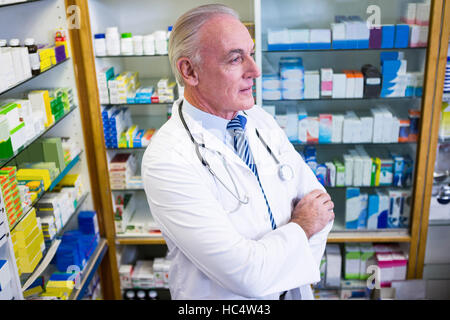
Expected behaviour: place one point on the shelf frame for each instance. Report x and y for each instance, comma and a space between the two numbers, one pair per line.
89, 103
431, 141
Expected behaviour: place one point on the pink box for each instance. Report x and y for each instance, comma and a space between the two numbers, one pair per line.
400, 263
386, 264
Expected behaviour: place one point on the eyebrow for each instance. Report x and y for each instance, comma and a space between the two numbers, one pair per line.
240, 51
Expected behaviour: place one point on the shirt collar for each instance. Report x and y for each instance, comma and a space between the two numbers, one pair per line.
214, 124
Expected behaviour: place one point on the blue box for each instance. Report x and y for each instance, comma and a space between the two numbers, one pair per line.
352, 205
362, 44
401, 36
372, 211
387, 36
319, 46
279, 47
390, 67
340, 44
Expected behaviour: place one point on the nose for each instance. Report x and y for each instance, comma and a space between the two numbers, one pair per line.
252, 70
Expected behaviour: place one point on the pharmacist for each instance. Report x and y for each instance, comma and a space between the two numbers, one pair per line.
242, 214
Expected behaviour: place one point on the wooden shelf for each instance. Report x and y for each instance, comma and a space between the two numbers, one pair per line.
368, 236
141, 240
334, 237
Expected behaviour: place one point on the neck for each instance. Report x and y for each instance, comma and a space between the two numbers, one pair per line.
195, 98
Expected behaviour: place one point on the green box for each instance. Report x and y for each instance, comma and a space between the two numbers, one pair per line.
367, 259
352, 261
53, 152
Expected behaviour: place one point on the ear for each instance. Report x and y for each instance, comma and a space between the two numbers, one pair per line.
186, 69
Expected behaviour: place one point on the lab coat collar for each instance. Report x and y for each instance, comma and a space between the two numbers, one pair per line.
201, 135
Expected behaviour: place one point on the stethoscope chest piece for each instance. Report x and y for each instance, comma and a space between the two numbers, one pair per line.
285, 172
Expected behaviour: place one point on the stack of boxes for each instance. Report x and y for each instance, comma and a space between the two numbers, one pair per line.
378, 210
49, 55
28, 243
60, 285
122, 87
124, 208
121, 168
165, 92
349, 84
11, 196
115, 122
14, 134
380, 125
145, 274
16, 66
348, 270
103, 76
353, 32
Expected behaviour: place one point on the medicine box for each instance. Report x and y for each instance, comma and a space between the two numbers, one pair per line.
334, 266
313, 130
367, 259
326, 77
362, 219
352, 208
325, 128
352, 261
302, 126
383, 210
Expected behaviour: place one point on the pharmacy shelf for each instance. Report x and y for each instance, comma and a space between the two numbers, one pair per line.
17, 3
397, 235
127, 149
70, 165
368, 187
89, 270
33, 77
343, 50
127, 239
4, 162
139, 104
352, 143
41, 268
134, 56
163, 293
436, 223
268, 102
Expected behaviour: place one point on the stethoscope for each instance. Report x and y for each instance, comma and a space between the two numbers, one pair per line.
285, 171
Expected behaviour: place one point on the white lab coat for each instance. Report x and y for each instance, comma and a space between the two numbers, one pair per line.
219, 252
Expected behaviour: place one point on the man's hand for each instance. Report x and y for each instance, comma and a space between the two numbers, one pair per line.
313, 212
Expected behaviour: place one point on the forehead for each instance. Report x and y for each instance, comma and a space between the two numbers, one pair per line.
223, 33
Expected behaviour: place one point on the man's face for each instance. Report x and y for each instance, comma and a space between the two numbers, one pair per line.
227, 68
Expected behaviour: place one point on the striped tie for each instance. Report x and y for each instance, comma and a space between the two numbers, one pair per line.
236, 128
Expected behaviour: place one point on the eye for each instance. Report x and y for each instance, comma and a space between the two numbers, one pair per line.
236, 59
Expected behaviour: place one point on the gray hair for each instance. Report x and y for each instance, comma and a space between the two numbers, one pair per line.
183, 38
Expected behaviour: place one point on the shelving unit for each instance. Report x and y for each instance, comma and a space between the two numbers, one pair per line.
44, 18
102, 14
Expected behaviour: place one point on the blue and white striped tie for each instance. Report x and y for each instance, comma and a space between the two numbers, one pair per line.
236, 128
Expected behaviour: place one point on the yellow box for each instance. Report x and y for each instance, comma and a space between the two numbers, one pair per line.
31, 248
35, 174
22, 241
28, 265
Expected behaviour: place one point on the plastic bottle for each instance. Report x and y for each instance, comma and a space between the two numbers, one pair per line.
141, 295
100, 44
138, 48
153, 295
149, 45
14, 43
126, 44
169, 31
160, 42
129, 295
112, 41
3, 43
33, 55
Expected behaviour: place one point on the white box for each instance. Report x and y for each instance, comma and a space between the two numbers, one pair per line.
334, 265
313, 129
302, 126
292, 123
312, 85
395, 129
414, 35
350, 86
338, 31
298, 35
356, 130
387, 126
422, 14
337, 124
357, 170
331, 169
378, 118
319, 36
359, 85
339, 85
326, 78
125, 272
348, 164
409, 15
366, 129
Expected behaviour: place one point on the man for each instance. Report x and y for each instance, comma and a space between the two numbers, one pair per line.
240, 221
